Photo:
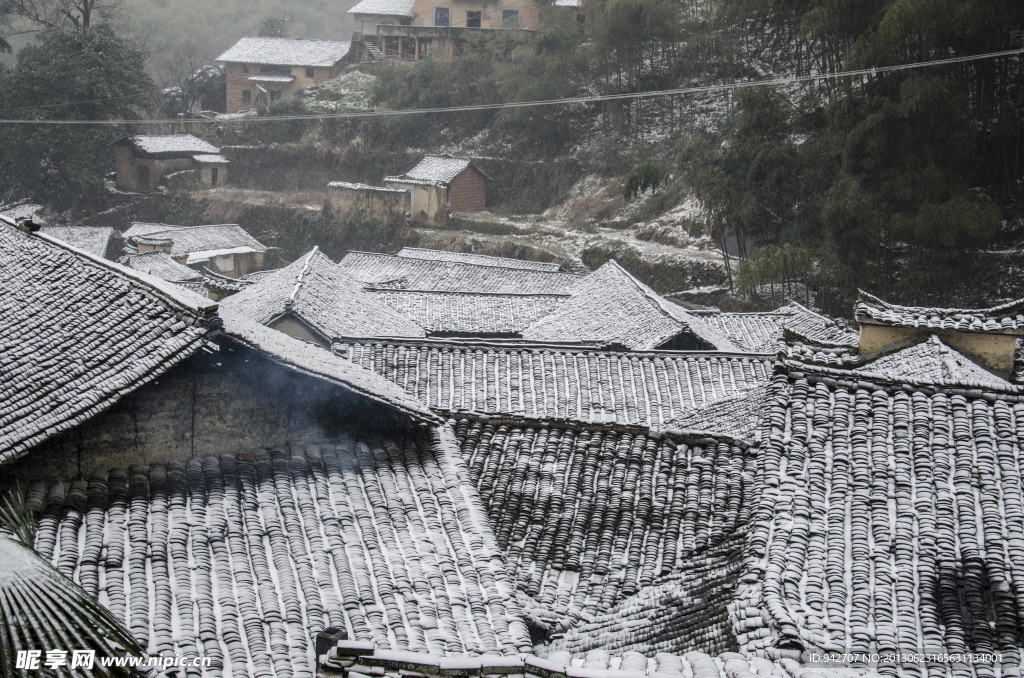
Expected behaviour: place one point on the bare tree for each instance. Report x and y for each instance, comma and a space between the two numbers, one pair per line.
33, 16
177, 72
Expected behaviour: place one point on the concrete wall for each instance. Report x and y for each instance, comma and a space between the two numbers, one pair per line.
428, 204
370, 201
994, 351
467, 192
227, 402
529, 13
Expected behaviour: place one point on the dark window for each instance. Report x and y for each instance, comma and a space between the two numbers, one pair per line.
309, 72
405, 21
142, 176
473, 19
213, 176
581, 18
245, 68
440, 16
510, 17
246, 96
275, 94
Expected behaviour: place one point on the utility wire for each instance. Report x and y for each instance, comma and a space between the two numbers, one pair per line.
774, 82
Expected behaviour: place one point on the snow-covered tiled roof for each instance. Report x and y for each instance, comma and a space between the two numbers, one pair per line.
193, 239
92, 239
482, 259
314, 290
171, 143
286, 52
462, 313
568, 3
577, 490
387, 270
160, 264
610, 306
888, 504
80, 332
146, 228
364, 187
736, 416
242, 559
765, 331
384, 8
435, 169
1005, 319
631, 388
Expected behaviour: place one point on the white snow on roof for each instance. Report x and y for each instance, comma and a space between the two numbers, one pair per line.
261, 77
286, 52
173, 143
436, 169
210, 158
363, 187
568, 3
384, 8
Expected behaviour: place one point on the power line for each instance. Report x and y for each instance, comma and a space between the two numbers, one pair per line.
706, 89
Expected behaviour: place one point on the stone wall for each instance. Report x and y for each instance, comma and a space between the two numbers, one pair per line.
226, 401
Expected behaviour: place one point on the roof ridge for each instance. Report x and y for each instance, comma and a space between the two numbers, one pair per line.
165, 291
461, 263
300, 278
370, 287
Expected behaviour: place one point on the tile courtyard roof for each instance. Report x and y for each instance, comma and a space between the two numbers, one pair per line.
611, 306
888, 518
484, 259
643, 389
243, 561
184, 144
162, 265
385, 7
765, 331
1005, 319
588, 516
348, 658
471, 314
436, 170
92, 239
319, 293
80, 332
286, 52
197, 239
386, 270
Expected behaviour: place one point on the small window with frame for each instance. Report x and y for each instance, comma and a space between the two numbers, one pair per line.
310, 72
441, 16
473, 19
510, 17
246, 96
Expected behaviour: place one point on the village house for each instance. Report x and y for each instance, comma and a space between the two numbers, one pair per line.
440, 185
410, 30
260, 71
224, 248
399, 506
144, 162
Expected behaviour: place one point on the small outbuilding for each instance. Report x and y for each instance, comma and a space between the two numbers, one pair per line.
440, 185
144, 161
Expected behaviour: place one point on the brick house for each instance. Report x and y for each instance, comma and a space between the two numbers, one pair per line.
440, 185
264, 70
142, 162
409, 30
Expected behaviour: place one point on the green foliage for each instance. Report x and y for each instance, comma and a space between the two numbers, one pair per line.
16, 517
650, 174
76, 75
